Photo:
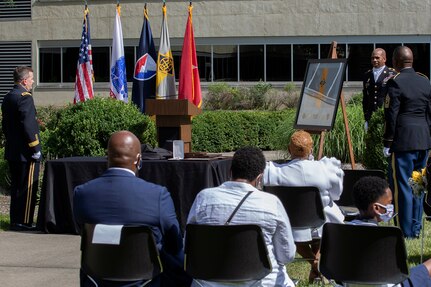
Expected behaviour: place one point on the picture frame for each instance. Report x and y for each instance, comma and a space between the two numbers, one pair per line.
320, 94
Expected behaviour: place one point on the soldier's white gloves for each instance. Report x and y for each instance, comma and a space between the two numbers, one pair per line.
36, 155
386, 152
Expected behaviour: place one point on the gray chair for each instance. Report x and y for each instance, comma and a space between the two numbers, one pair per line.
351, 176
303, 205
135, 258
358, 254
226, 253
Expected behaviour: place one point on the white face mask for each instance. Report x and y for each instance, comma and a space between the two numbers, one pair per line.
389, 214
310, 156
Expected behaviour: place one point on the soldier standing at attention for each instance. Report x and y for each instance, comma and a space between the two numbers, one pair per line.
22, 149
374, 84
407, 138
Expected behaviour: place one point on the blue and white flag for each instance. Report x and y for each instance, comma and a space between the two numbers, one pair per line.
118, 79
144, 80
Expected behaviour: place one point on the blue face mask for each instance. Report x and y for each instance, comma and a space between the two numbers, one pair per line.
389, 214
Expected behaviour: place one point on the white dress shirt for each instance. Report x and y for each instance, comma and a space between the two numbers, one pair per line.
325, 174
215, 205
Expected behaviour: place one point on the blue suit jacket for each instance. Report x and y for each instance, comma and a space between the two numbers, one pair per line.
119, 197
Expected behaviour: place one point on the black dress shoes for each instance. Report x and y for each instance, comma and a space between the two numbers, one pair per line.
21, 227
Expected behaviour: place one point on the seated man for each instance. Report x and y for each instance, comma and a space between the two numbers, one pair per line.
119, 197
215, 205
325, 174
373, 198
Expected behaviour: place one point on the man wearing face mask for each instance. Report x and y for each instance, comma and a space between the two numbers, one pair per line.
325, 174
118, 197
215, 205
373, 198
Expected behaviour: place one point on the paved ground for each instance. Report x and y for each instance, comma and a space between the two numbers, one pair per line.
37, 259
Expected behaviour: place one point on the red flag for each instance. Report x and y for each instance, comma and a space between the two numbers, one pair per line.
189, 85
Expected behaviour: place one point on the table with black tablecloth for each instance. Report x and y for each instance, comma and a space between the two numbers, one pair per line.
183, 178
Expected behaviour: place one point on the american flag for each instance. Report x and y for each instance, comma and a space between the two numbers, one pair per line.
84, 70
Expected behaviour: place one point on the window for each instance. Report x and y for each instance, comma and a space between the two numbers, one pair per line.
359, 61
421, 60
251, 61
50, 60
278, 63
70, 62
301, 55
225, 60
101, 63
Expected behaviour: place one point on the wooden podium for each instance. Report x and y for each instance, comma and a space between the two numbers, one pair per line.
173, 120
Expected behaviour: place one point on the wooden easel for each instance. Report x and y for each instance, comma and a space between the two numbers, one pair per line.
333, 55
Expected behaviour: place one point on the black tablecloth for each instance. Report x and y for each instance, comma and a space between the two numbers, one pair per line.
183, 178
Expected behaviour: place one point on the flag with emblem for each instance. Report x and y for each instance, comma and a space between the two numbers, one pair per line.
165, 77
144, 80
84, 71
189, 85
118, 79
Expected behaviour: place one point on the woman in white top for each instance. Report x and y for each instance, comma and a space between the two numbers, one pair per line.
325, 174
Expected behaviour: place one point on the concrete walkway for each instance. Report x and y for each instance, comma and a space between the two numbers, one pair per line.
37, 259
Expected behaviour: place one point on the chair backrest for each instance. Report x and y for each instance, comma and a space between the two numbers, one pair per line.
226, 253
135, 258
363, 254
303, 205
351, 176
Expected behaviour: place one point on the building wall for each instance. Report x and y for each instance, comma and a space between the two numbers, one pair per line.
57, 20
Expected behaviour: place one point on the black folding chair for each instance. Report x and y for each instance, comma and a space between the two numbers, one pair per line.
357, 254
351, 176
135, 258
303, 205
226, 253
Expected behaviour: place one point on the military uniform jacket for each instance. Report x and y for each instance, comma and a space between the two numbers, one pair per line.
407, 112
19, 125
374, 92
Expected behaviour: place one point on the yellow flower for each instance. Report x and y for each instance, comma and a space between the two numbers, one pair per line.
417, 177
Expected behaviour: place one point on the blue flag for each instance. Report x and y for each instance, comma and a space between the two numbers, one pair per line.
144, 80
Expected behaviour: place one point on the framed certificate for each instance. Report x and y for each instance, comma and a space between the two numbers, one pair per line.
320, 94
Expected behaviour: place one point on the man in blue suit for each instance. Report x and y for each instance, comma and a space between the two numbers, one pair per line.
407, 137
119, 197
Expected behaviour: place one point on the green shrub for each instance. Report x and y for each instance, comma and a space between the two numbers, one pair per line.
221, 131
374, 142
4, 174
84, 129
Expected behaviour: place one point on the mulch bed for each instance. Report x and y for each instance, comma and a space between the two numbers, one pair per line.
4, 204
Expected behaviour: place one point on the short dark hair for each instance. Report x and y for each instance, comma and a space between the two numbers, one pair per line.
21, 73
368, 190
247, 163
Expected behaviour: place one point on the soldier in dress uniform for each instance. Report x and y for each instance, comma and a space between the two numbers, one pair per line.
22, 149
374, 84
407, 137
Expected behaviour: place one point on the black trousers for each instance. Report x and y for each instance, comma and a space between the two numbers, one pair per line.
24, 184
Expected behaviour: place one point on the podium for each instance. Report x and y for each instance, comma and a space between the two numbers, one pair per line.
173, 120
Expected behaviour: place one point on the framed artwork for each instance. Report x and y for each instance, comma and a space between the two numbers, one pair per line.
320, 94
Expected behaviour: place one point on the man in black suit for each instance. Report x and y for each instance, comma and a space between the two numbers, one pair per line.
120, 197
22, 149
407, 137
374, 84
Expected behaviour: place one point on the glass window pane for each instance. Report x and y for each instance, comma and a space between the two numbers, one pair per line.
278, 63
359, 61
50, 65
101, 63
421, 58
301, 55
176, 54
203, 53
129, 55
70, 62
251, 63
225, 63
